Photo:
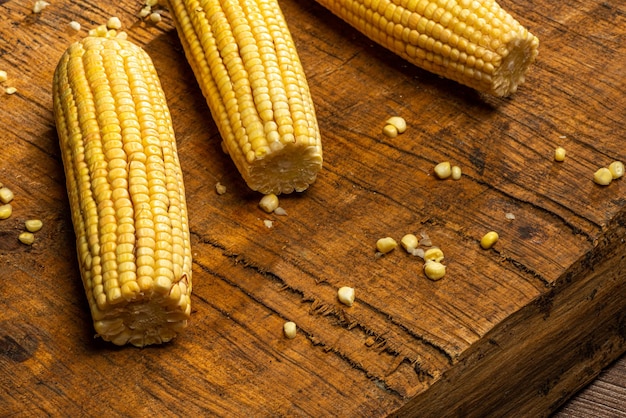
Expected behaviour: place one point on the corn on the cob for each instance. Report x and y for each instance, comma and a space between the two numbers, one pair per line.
245, 61
474, 42
125, 189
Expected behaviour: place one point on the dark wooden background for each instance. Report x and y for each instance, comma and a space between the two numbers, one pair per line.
518, 329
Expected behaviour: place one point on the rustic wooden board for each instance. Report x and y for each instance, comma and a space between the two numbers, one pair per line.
518, 328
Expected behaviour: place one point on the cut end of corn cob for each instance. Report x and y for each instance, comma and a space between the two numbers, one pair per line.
245, 61
125, 188
473, 42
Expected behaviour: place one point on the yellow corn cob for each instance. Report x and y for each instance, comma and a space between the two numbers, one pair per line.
246, 64
125, 189
474, 42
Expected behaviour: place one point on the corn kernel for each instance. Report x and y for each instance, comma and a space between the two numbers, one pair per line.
456, 172
33, 225
27, 238
390, 131
220, 188
385, 245
559, 154
74, 25
114, 22
10, 90
489, 239
603, 176
6, 211
398, 122
6, 195
269, 203
290, 329
409, 242
433, 254
434, 270
346, 295
617, 169
155, 17
443, 170
3, 76
39, 6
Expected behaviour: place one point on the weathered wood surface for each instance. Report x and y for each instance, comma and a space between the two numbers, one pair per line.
518, 328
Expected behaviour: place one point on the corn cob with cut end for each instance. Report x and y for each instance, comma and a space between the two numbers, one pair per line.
245, 61
473, 42
125, 189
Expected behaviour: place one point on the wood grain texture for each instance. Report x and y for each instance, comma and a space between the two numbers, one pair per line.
516, 329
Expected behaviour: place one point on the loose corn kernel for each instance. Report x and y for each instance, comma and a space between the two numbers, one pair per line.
3, 76
33, 225
617, 169
39, 6
74, 25
390, 131
559, 154
155, 17
434, 270
269, 203
145, 12
385, 245
603, 176
489, 239
152, 3
346, 295
290, 329
26, 238
398, 122
5, 211
409, 242
10, 90
456, 172
443, 170
6, 195
220, 188
280, 211
433, 254
114, 22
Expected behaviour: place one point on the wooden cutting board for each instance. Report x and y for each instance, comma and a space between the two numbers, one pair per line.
514, 329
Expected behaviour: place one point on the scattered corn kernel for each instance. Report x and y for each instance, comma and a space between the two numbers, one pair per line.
384, 245
269, 202
6, 195
33, 225
26, 238
151, 3
114, 22
390, 131
268, 223
220, 188
10, 90
6, 211
280, 211
559, 154
617, 169
346, 295
290, 329
39, 6
433, 254
398, 122
455, 172
489, 239
434, 270
443, 170
3, 76
409, 242
74, 25
510, 216
145, 12
155, 17
603, 176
